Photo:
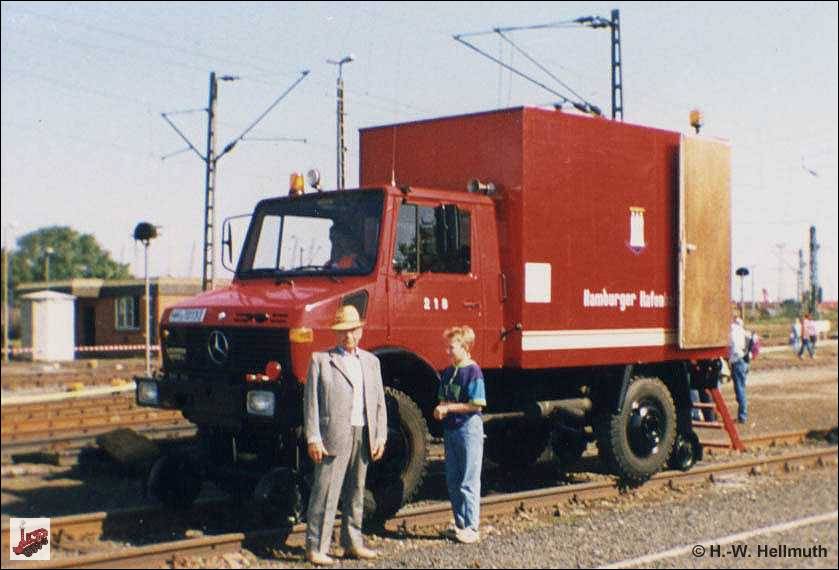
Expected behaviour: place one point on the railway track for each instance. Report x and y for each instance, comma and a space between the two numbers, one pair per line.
65, 378
87, 424
68, 408
768, 440
64, 450
69, 531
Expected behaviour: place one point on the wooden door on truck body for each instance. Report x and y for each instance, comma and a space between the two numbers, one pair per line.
704, 242
433, 280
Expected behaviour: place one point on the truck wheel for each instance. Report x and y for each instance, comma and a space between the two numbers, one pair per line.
393, 480
174, 481
687, 452
636, 443
516, 444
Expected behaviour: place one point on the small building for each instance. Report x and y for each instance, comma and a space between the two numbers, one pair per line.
110, 312
47, 319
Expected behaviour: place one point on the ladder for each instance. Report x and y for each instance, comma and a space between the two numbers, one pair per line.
727, 423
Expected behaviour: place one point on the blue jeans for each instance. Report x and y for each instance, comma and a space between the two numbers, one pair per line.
464, 458
807, 343
739, 371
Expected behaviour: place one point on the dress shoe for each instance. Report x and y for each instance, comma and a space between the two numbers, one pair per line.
318, 558
361, 553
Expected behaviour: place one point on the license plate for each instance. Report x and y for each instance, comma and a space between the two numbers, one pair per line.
187, 315
176, 354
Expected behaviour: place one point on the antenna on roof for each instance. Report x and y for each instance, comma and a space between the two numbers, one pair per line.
393, 161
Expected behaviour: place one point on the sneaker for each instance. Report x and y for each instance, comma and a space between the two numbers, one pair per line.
468, 536
318, 558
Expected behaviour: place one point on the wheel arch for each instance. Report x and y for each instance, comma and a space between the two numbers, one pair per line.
411, 374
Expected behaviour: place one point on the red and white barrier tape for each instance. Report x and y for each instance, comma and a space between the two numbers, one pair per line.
93, 348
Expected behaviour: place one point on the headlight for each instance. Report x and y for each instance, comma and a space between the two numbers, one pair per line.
147, 392
261, 403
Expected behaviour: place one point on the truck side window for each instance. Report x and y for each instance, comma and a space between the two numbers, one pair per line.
405, 258
432, 239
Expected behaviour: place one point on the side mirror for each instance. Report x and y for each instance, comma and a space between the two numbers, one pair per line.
227, 241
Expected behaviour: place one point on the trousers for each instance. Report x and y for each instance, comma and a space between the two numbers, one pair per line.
339, 476
464, 458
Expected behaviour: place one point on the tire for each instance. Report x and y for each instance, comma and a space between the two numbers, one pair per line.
174, 481
517, 444
393, 480
687, 452
636, 443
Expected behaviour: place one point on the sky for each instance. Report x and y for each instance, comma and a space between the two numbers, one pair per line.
84, 86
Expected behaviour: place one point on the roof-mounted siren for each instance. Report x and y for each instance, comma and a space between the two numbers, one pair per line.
475, 186
313, 178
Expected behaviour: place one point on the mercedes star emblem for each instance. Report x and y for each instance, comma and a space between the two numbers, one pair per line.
218, 347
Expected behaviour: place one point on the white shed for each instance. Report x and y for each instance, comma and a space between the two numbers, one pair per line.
49, 327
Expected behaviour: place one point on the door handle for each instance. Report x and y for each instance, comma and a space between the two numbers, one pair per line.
471, 304
690, 247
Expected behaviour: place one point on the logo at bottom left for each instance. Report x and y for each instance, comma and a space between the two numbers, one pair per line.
29, 539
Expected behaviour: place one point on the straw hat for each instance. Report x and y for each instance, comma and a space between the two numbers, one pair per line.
347, 318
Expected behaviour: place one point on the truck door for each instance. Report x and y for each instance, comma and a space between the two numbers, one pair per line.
434, 279
704, 242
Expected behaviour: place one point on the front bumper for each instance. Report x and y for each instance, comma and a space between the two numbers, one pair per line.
218, 403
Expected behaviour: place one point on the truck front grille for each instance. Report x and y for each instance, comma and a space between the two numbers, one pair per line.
248, 349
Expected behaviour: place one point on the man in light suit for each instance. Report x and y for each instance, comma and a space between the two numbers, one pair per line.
346, 425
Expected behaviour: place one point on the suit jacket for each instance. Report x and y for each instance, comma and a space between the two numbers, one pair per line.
328, 397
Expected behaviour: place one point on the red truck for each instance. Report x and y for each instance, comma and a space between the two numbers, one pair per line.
591, 257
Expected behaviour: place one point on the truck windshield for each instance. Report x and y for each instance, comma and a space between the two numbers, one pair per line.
335, 233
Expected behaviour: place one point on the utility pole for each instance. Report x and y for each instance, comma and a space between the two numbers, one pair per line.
780, 247
210, 159
208, 268
340, 144
47, 253
145, 232
617, 67
800, 274
814, 272
5, 302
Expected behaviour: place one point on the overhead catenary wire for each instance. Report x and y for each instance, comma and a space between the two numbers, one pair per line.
581, 104
540, 66
475, 48
230, 145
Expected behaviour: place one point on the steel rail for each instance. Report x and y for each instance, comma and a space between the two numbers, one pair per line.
14, 430
144, 556
412, 519
137, 422
77, 442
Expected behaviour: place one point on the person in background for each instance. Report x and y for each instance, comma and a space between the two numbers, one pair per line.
462, 395
737, 350
808, 337
795, 335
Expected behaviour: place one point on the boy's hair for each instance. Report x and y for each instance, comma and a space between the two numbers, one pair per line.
462, 334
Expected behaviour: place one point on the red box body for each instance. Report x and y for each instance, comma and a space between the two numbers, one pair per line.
594, 202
